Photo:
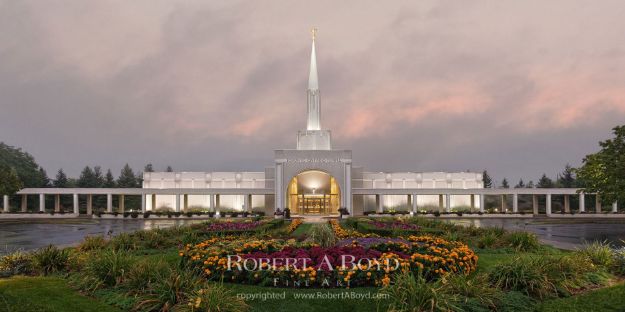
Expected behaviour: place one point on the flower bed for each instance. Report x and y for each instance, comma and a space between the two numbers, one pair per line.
294, 225
395, 225
237, 226
358, 263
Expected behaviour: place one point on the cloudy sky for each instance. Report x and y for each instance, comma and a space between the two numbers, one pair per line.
515, 87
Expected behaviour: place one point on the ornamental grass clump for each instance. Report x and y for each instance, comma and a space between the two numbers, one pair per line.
16, 263
600, 253
215, 297
123, 242
412, 292
105, 268
168, 291
524, 274
144, 274
322, 235
522, 241
50, 259
90, 243
619, 261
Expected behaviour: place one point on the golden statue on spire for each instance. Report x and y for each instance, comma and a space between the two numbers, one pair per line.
313, 32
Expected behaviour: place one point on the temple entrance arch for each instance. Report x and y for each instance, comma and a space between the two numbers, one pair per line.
313, 192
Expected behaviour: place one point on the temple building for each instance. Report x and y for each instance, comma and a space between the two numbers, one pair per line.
313, 179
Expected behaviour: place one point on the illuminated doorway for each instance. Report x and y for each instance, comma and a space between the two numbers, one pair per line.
314, 193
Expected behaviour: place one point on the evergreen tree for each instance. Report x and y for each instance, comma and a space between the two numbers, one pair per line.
98, 176
148, 168
87, 178
45, 181
504, 183
109, 180
169, 169
9, 180
488, 182
530, 184
521, 184
567, 177
544, 182
61, 180
127, 178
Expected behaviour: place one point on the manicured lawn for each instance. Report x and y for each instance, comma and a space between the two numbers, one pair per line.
605, 299
30, 294
301, 230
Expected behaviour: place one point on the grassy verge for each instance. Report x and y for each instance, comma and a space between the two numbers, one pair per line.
605, 299
30, 294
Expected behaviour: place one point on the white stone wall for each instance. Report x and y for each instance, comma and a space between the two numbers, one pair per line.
462, 180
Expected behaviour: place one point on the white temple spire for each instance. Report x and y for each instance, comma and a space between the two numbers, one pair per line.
314, 109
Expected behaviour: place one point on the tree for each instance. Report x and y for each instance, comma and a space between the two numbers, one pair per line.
169, 169
567, 177
530, 184
544, 182
98, 177
148, 168
109, 180
24, 165
504, 183
87, 178
488, 182
45, 181
61, 180
9, 180
127, 178
521, 184
603, 172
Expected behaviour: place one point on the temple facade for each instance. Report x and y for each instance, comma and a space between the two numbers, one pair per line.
312, 179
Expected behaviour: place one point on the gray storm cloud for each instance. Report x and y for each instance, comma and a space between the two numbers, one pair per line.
515, 87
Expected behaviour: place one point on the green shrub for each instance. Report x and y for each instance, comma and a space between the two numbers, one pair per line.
168, 291
524, 274
322, 234
474, 291
17, 262
152, 239
50, 259
215, 297
600, 253
619, 261
123, 241
106, 268
522, 241
487, 240
93, 243
413, 293
145, 273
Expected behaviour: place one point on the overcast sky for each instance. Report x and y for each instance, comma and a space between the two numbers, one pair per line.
515, 87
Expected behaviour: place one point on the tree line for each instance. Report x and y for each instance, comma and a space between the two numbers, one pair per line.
565, 179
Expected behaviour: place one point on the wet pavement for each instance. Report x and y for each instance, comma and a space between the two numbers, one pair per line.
33, 234
560, 233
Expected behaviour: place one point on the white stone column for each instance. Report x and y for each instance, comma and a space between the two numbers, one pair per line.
567, 204
279, 191
380, 203
515, 203
597, 203
482, 202
535, 204
582, 204
24, 202
75, 203
448, 202
348, 187
548, 204
211, 202
143, 203
177, 208
57, 203
414, 203
246, 202
42, 202
89, 204
109, 203
615, 207
5, 205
